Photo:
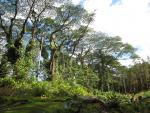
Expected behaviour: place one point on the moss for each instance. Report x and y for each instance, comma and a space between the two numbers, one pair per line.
58, 105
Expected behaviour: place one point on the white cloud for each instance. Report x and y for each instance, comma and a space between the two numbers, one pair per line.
76, 1
130, 20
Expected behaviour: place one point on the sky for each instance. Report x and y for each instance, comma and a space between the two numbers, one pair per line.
129, 19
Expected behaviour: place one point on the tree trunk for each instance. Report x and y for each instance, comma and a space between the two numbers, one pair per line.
52, 64
40, 56
124, 85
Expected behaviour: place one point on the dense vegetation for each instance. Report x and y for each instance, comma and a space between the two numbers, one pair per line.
49, 54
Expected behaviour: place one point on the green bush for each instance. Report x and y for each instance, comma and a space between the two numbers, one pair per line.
37, 89
22, 88
7, 82
83, 76
64, 88
113, 97
79, 90
60, 88
40, 88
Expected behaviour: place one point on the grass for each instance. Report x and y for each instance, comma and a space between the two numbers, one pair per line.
58, 105
33, 105
62, 97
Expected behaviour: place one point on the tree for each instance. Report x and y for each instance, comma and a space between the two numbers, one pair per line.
105, 53
19, 13
52, 23
67, 29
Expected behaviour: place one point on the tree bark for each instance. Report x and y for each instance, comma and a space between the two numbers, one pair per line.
52, 64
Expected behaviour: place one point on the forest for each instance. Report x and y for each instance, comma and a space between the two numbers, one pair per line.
53, 61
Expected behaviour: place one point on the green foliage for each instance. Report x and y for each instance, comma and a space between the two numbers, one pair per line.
147, 94
64, 88
5, 67
26, 64
113, 97
81, 59
79, 90
31, 48
77, 75
48, 21
22, 67
60, 90
7, 82
48, 89
40, 89
22, 88
53, 45
86, 77
44, 53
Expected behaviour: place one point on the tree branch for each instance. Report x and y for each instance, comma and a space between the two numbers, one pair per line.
12, 20
23, 27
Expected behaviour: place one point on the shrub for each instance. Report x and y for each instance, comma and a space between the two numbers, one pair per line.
113, 97
22, 88
79, 90
48, 89
7, 82
40, 88
65, 88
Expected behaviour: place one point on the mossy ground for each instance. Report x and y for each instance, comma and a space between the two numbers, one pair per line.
32, 105
62, 97
66, 105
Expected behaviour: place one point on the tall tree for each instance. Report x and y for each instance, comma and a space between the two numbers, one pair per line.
15, 17
66, 31
105, 53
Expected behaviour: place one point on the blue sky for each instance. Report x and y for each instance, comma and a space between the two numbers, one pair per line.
129, 19
115, 2
82, 2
